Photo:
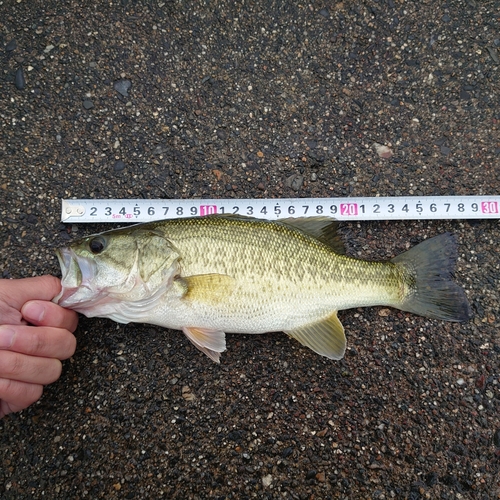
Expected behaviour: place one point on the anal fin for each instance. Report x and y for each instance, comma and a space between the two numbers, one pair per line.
325, 337
210, 342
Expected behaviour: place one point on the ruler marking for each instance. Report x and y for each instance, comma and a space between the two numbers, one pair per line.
362, 208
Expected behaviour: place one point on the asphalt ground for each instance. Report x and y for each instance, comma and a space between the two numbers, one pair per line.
263, 99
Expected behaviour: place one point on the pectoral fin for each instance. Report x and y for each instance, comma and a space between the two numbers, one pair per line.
208, 288
325, 337
210, 342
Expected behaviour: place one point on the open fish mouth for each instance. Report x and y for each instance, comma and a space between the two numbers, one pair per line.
77, 274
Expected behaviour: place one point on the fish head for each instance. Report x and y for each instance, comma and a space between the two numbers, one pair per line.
124, 266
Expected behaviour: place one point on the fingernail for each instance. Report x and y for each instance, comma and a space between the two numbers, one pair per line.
33, 311
6, 337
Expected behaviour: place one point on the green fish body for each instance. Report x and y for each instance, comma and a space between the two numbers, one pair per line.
211, 275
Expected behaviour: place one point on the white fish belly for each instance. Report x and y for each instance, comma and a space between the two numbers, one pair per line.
248, 312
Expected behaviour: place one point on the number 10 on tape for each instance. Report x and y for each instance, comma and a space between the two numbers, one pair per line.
376, 208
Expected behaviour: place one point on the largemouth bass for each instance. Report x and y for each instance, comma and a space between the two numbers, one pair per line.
211, 275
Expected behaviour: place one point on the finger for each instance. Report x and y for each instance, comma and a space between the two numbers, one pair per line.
39, 341
17, 292
46, 313
15, 395
31, 369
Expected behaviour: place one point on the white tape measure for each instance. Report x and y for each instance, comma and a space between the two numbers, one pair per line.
388, 208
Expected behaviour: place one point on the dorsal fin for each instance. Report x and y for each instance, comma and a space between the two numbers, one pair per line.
324, 229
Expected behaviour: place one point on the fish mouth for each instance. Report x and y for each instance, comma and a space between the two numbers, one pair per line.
77, 274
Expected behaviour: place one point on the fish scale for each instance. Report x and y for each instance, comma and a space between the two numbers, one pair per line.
312, 259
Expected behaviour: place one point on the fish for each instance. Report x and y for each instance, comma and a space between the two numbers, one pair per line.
218, 274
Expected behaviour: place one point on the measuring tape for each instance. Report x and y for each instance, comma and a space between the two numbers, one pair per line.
388, 208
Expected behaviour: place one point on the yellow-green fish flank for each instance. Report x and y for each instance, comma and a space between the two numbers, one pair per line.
211, 275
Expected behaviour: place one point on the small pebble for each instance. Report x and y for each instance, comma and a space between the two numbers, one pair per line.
12, 45
320, 477
383, 151
88, 104
267, 480
19, 81
122, 87
295, 181
464, 95
119, 166
187, 394
493, 54
311, 474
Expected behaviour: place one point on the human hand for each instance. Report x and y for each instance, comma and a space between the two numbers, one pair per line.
35, 334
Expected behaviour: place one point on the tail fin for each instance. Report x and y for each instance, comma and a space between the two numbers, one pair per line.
428, 274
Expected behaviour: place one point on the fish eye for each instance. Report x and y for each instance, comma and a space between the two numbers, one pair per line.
97, 244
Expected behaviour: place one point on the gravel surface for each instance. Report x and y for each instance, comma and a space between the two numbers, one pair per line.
177, 99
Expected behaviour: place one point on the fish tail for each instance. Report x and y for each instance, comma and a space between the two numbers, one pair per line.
427, 275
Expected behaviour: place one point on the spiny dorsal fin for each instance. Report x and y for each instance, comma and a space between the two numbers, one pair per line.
323, 229
325, 337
